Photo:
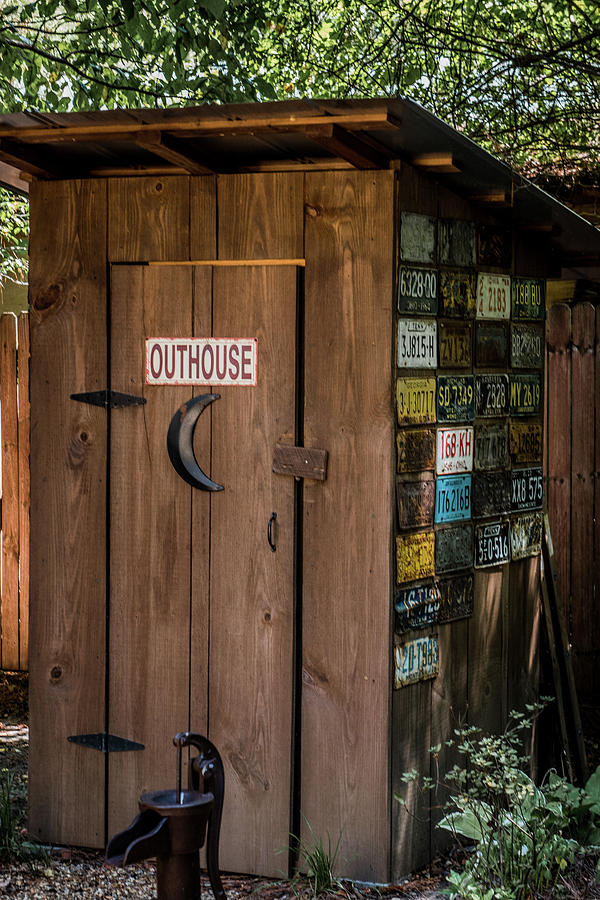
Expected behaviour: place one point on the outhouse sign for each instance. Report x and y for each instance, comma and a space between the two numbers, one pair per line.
196, 361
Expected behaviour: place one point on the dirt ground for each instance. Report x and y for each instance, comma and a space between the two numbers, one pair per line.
65, 872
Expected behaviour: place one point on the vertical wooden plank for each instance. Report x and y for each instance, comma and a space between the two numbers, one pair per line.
348, 518
149, 218
203, 217
252, 588
24, 490
522, 613
596, 577
582, 492
260, 216
487, 685
68, 509
559, 448
150, 514
9, 604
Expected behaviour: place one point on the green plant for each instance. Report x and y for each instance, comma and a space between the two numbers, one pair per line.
13, 840
317, 861
525, 836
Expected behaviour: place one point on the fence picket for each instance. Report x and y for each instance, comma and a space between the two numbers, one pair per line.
23, 426
9, 601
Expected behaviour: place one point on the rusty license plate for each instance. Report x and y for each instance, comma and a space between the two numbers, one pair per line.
418, 290
454, 451
457, 294
417, 237
415, 398
452, 498
491, 494
415, 556
455, 345
525, 394
491, 395
491, 544
491, 343
454, 548
456, 241
417, 344
528, 298
491, 446
493, 296
455, 398
527, 490
416, 660
415, 500
416, 449
526, 346
526, 535
416, 606
525, 442
456, 598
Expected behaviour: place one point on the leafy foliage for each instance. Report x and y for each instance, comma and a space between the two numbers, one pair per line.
14, 232
526, 836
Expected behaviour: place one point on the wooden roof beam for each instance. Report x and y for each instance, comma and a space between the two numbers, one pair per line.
356, 120
173, 151
496, 199
11, 176
25, 159
438, 163
349, 146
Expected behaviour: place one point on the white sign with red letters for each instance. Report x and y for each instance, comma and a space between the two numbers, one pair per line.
197, 361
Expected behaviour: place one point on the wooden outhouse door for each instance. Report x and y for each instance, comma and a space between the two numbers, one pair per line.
200, 608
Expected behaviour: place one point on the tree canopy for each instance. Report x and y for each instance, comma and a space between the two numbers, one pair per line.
522, 79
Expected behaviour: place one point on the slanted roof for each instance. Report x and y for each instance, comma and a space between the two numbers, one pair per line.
299, 135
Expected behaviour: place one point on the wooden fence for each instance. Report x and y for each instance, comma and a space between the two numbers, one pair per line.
14, 425
573, 488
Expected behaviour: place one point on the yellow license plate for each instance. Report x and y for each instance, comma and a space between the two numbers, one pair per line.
415, 556
415, 398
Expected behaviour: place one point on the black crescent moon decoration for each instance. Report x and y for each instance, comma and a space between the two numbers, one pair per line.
180, 438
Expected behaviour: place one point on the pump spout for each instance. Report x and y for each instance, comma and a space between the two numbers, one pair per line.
146, 837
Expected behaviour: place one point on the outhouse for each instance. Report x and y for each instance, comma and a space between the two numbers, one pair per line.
286, 459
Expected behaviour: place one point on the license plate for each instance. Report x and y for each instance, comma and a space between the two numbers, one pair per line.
417, 606
525, 395
418, 290
457, 294
491, 395
491, 544
491, 343
415, 503
416, 660
417, 238
417, 344
454, 450
526, 536
491, 446
491, 494
452, 498
456, 242
456, 345
415, 399
526, 346
456, 598
454, 548
528, 298
416, 449
455, 398
525, 442
415, 556
493, 296
527, 489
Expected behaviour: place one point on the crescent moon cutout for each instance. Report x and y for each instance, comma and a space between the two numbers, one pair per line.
180, 437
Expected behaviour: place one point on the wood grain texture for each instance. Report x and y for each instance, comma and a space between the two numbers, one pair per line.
149, 218
596, 578
252, 588
149, 544
348, 518
9, 604
583, 616
559, 447
203, 218
260, 216
487, 675
24, 486
522, 634
68, 509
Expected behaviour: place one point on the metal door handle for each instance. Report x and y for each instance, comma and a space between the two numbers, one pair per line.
270, 532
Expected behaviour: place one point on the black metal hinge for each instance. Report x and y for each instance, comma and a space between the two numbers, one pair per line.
106, 743
106, 398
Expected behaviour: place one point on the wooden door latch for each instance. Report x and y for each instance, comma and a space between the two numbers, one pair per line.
301, 462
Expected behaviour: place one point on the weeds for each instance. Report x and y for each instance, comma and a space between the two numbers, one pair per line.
13, 839
316, 861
